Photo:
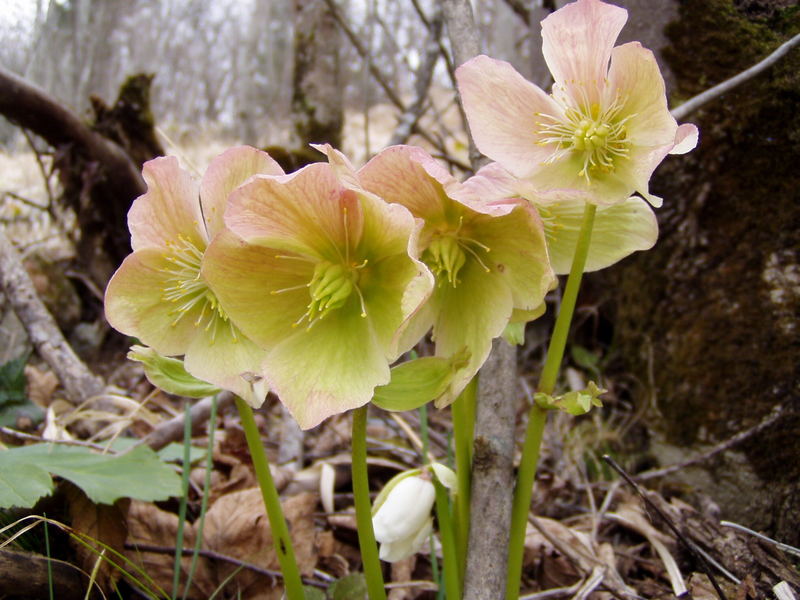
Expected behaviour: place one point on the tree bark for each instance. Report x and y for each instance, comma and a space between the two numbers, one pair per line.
710, 315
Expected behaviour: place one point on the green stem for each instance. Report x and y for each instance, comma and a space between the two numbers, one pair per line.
280, 532
463, 412
537, 416
366, 535
187, 454
450, 558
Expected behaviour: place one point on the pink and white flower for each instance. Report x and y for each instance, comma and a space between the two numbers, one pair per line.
604, 128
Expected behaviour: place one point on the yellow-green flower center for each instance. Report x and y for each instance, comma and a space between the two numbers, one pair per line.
596, 135
448, 252
331, 286
190, 293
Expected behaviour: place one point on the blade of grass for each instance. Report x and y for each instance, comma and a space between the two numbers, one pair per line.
49, 566
212, 425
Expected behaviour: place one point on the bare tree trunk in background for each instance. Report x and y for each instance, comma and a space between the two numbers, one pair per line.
317, 90
493, 455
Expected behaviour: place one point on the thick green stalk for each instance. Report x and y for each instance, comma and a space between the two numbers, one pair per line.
366, 535
450, 558
463, 412
280, 532
537, 416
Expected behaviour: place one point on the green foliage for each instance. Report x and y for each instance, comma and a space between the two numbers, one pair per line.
578, 402
419, 381
25, 474
349, 587
13, 400
169, 374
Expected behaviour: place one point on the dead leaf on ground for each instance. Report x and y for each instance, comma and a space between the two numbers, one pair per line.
237, 526
100, 525
41, 385
148, 525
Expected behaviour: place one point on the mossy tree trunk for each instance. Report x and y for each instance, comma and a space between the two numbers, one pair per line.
712, 311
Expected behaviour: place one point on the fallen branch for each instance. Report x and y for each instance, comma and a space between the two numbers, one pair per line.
32, 108
172, 430
737, 439
28, 575
79, 382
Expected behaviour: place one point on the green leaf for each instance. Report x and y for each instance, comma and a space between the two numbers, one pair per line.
349, 587
104, 478
169, 374
23, 484
172, 452
312, 593
585, 359
12, 381
576, 403
12, 412
418, 381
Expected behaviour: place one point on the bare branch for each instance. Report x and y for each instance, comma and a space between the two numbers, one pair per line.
690, 106
33, 109
79, 382
408, 120
172, 430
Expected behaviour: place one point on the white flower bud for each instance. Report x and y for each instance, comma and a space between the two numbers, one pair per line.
403, 521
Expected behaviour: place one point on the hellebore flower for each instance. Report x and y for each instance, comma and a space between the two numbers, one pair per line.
158, 294
323, 278
402, 512
490, 261
606, 125
619, 229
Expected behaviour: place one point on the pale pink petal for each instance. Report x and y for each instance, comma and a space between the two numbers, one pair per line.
170, 208
135, 304
409, 176
330, 368
309, 212
685, 139
231, 363
577, 42
341, 165
501, 107
225, 173
636, 82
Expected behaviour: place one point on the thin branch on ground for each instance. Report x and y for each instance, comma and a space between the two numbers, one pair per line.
690, 106
218, 556
172, 430
735, 440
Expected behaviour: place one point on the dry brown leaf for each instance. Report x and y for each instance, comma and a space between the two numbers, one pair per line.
237, 526
41, 385
101, 523
148, 525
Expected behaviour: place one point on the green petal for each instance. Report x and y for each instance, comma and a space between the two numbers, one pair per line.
308, 212
519, 252
470, 315
260, 288
332, 367
618, 231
